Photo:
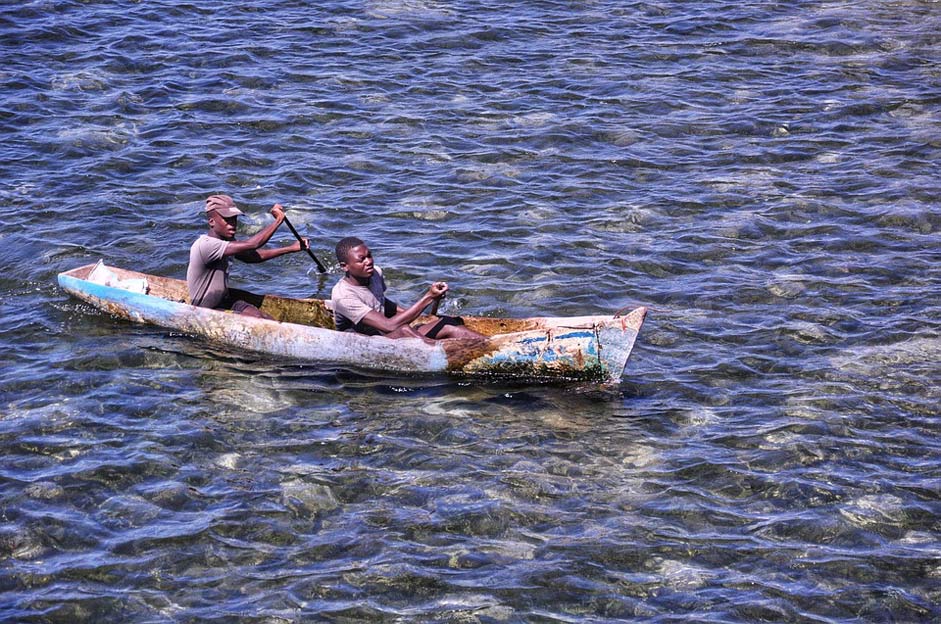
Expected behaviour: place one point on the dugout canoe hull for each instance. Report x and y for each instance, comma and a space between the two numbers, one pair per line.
584, 348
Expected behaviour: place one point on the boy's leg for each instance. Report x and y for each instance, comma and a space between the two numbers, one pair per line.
407, 332
458, 331
447, 327
246, 309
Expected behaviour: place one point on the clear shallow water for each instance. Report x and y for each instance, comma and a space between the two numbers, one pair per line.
763, 177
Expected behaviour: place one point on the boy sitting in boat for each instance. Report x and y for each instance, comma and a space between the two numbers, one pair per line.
360, 304
207, 275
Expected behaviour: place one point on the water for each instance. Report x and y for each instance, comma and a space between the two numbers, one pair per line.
763, 176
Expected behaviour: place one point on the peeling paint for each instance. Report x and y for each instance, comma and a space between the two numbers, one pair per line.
588, 348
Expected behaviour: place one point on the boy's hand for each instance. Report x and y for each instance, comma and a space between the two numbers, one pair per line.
303, 244
277, 211
438, 290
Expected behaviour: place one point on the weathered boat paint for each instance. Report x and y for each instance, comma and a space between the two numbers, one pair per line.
592, 348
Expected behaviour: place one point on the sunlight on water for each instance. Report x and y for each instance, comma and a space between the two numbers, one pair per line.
80, 81
875, 511
761, 176
873, 361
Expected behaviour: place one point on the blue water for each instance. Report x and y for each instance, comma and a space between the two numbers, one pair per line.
763, 176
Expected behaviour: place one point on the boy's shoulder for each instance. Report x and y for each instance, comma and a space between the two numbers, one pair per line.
344, 288
205, 240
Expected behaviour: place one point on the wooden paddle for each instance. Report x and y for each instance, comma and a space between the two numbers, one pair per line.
320, 266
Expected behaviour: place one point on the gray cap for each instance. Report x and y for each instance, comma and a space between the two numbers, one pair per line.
223, 204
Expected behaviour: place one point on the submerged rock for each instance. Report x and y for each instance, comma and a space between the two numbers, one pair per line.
313, 498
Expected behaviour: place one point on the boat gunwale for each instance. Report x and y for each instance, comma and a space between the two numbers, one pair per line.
539, 322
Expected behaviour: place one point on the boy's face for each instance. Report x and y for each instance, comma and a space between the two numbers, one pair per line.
223, 227
359, 262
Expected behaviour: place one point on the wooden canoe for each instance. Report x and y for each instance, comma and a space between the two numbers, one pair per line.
582, 348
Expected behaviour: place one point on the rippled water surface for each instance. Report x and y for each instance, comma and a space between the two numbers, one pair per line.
764, 176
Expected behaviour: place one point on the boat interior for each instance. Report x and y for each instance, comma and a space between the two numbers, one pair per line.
312, 312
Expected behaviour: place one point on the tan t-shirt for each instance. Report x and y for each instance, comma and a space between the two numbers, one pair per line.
207, 275
352, 302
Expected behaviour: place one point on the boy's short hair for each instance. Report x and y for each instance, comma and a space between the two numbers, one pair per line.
345, 245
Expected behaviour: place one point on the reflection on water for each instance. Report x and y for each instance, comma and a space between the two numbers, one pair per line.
762, 176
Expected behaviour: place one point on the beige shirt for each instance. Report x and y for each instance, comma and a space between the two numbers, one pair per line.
207, 275
352, 302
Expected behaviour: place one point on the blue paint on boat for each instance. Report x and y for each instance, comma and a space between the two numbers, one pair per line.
533, 340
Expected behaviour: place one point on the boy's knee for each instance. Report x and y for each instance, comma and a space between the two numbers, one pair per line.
246, 309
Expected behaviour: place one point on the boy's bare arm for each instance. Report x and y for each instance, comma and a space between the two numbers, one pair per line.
406, 316
249, 250
260, 255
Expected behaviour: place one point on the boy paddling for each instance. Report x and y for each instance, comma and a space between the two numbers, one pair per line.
208, 272
360, 304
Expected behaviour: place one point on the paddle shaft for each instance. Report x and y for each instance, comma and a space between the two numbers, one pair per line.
320, 266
